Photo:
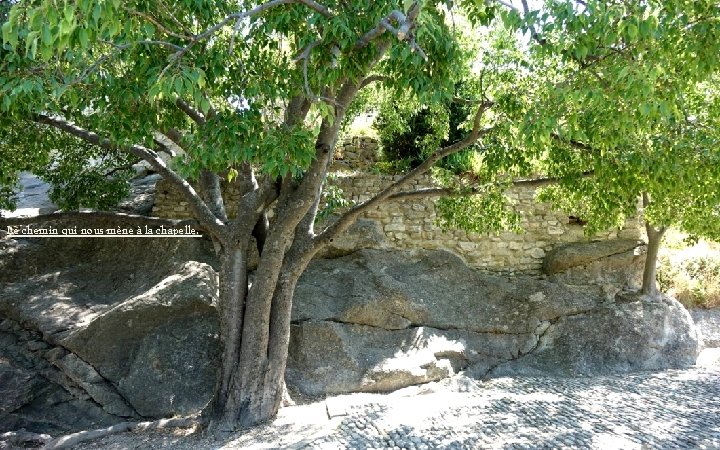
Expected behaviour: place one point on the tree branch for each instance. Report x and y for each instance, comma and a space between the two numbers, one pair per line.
305, 57
201, 210
212, 194
74, 439
301, 212
168, 144
403, 31
526, 10
474, 190
190, 111
508, 5
533, 31
322, 9
573, 143
154, 21
372, 79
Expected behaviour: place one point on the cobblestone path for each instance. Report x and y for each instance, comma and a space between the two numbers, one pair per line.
678, 409
666, 410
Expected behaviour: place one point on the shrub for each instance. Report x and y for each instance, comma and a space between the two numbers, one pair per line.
410, 136
693, 280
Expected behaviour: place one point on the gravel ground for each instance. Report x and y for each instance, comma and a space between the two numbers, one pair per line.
665, 410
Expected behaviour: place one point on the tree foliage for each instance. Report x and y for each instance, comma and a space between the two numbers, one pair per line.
636, 109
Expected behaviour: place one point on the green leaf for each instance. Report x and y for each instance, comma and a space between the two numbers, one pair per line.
632, 30
97, 10
69, 12
46, 52
581, 52
31, 44
149, 30
66, 26
645, 28
9, 34
83, 38
204, 105
47, 37
665, 109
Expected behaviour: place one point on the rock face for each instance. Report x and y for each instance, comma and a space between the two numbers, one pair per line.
629, 335
165, 338
142, 194
37, 395
708, 323
73, 280
93, 331
362, 234
376, 320
616, 262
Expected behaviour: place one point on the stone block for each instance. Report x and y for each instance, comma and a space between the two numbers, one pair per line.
467, 246
555, 231
394, 227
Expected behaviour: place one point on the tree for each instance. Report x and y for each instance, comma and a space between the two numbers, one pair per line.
654, 135
259, 96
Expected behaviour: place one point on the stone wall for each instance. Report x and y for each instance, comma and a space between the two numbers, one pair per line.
410, 224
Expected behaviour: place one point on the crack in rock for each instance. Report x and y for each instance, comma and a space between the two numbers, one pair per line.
411, 326
540, 332
79, 375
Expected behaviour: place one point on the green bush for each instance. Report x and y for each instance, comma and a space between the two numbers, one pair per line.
693, 280
410, 137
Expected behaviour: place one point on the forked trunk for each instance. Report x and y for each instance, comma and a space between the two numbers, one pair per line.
255, 344
649, 283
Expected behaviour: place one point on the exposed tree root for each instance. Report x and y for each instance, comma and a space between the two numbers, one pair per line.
70, 440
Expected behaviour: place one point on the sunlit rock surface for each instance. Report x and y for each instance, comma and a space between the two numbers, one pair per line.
375, 320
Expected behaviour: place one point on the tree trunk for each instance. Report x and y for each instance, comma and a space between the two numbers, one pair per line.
255, 344
231, 308
649, 283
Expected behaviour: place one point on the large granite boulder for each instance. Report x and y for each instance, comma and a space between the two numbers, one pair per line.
58, 285
128, 328
328, 357
159, 349
614, 262
38, 396
432, 288
377, 320
95, 331
631, 334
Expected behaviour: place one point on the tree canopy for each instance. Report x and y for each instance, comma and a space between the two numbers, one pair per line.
644, 123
